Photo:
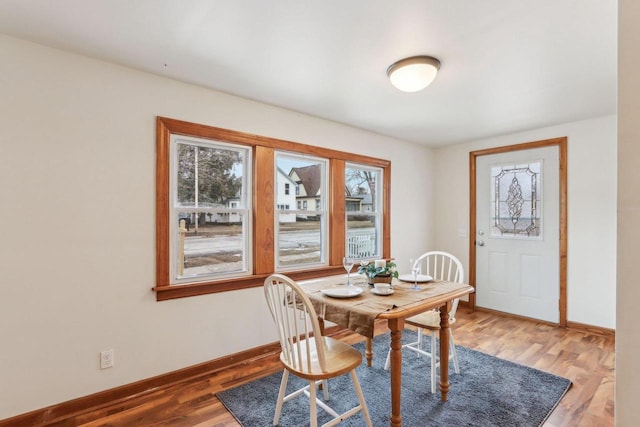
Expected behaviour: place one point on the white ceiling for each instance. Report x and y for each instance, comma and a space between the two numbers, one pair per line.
507, 65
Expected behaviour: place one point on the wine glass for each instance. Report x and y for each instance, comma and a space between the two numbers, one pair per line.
347, 263
415, 269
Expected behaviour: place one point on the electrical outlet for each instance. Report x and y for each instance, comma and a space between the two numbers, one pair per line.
106, 359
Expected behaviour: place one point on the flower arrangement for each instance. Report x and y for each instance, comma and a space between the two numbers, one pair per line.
381, 268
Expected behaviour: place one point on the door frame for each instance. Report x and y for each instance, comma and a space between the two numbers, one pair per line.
561, 143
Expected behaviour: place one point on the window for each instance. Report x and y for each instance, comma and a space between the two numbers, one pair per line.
210, 203
363, 206
218, 229
302, 238
516, 201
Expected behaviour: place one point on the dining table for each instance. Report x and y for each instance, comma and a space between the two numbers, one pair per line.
357, 306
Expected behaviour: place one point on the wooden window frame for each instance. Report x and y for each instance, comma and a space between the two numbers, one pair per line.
263, 214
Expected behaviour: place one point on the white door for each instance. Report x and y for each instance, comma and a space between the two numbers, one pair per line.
517, 227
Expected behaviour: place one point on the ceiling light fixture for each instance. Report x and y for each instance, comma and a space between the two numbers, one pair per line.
414, 73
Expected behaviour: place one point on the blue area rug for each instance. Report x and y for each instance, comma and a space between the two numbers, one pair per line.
487, 392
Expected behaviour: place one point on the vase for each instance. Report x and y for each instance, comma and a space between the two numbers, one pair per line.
380, 278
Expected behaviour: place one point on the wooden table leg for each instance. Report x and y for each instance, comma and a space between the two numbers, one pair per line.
369, 351
444, 351
396, 326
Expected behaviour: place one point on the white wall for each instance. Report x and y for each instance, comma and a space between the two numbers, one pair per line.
591, 168
77, 183
627, 336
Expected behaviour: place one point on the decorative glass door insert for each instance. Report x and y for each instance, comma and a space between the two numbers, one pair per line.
516, 200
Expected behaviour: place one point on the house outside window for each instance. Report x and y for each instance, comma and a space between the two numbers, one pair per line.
284, 198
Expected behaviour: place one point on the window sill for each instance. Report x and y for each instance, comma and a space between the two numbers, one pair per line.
168, 292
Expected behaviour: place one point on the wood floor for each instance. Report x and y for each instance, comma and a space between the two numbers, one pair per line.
586, 359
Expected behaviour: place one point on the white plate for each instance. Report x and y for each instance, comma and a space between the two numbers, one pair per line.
346, 292
409, 278
375, 291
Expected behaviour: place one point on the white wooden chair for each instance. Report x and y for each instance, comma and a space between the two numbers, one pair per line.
440, 266
306, 353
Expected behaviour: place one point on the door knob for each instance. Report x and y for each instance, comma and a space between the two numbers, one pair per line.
480, 242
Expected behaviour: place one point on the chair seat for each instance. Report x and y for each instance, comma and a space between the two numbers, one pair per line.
428, 320
340, 358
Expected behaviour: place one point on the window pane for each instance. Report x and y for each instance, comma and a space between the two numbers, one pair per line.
361, 189
362, 236
299, 242
214, 246
516, 200
363, 206
301, 214
208, 176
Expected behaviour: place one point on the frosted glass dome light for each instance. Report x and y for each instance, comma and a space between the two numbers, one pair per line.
414, 73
